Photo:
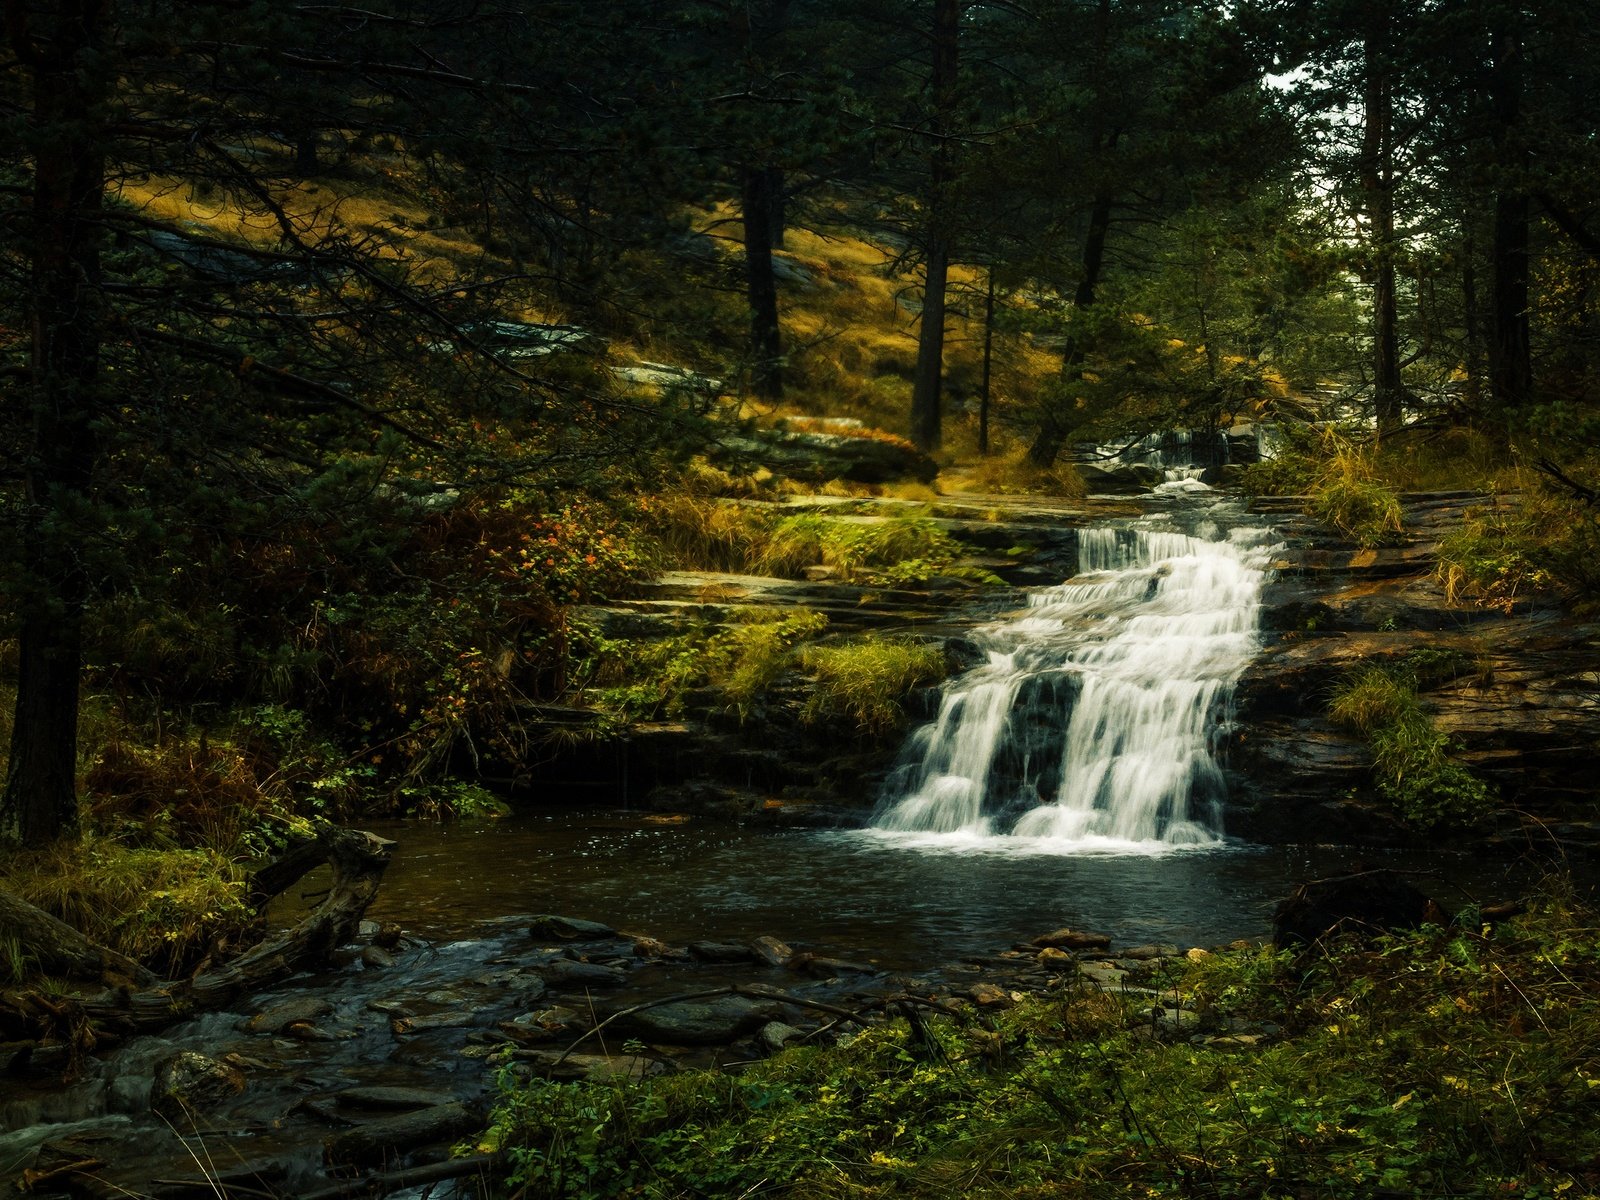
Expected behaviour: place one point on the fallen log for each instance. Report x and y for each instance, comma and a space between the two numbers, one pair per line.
358, 860
56, 948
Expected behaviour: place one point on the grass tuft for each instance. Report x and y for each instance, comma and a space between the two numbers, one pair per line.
863, 683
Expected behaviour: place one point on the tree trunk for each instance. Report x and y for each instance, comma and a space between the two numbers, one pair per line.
1510, 345
988, 362
928, 382
40, 799
1377, 187
53, 947
1055, 427
766, 337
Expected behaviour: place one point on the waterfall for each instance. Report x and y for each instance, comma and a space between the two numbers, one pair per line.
1093, 724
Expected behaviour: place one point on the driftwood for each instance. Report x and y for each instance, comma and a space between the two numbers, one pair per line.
358, 860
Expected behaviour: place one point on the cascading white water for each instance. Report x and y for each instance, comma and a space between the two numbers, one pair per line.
1091, 725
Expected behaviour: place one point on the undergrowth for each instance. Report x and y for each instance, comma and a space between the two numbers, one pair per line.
1416, 769
1453, 1061
165, 906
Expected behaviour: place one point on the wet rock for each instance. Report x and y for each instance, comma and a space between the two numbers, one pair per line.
384, 934
378, 1141
566, 973
771, 951
278, 1017
1054, 957
305, 1031
1128, 479
820, 967
423, 1022
394, 1098
721, 952
569, 929
1073, 939
376, 958
775, 1035
988, 995
1103, 974
699, 1022
818, 457
189, 1083
648, 947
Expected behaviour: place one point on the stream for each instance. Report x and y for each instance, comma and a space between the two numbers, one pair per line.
1071, 780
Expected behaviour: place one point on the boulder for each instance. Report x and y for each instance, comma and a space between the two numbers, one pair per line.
1073, 939
569, 929
276, 1018
188, 1083
711, 1022
1368, 902
384, 1139
566, 973
772, 951
1125, 479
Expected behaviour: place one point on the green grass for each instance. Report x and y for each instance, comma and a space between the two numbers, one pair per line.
1413, 760
1447, 1062
862, 684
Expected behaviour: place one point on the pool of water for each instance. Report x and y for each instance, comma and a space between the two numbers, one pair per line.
901, 901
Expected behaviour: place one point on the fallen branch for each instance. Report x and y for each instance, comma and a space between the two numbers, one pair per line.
393, 1181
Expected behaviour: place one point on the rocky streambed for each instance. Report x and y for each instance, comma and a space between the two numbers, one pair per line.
361, 1079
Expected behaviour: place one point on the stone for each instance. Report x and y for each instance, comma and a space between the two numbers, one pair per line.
569, 929
1054, 957
394, 1098
818, 457
423, 1022
721, 952
1073, 939
819, 967
376, 958
771, 951
775, 1035
554, 1064
711, 1022
1102, 974
1171, 1021
188, 1083
278, 1017
567, 973
378, 1141
1196, 954
648, 947
988, 995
